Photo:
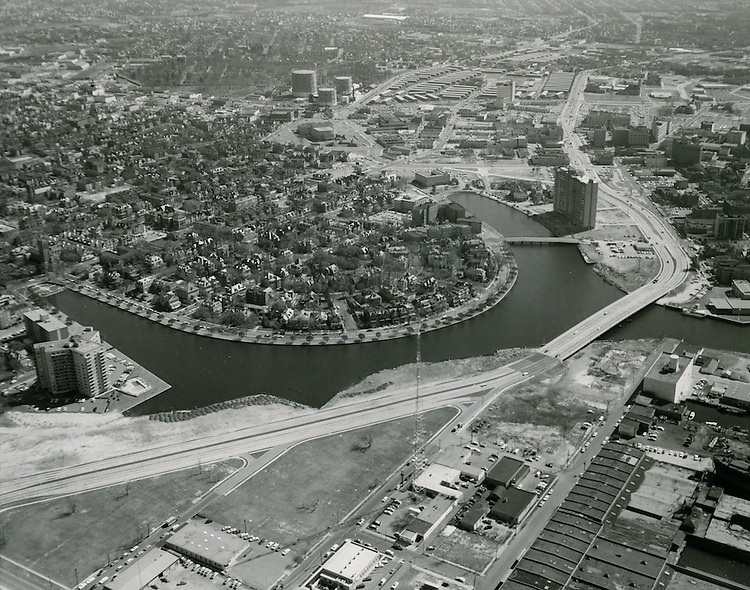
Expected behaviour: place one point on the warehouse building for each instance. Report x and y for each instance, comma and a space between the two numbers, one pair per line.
347, 567
512, 506
139, 575
506, 472
207, 544
670, 378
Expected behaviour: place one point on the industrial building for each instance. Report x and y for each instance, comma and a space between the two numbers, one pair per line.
575, 198
207, 544
344, 85
582, 545
347, 567
670, 378
304, 83
430, 518
512, 505
43, 327
506, 472
439, 479
327, 96
75, 365
434, 178
140, 575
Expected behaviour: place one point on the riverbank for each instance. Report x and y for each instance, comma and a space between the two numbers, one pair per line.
32, 442
500, 285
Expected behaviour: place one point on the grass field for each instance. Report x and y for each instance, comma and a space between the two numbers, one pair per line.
312, 487
57, 537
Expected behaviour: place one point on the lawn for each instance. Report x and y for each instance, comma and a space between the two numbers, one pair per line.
58, 537
312, 487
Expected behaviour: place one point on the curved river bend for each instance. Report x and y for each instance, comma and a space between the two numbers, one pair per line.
555, 289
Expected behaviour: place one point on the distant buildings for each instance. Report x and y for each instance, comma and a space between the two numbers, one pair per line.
343, 85
595, 119
73, 365
506, 92
304, 83
659, 130
575, 198
434, 178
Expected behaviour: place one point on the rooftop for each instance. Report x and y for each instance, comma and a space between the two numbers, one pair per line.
668, 368
142, 571
207, 541
44, 320
350, 561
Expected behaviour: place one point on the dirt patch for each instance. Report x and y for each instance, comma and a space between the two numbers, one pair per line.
736, 362
468, 550
430, 372
36, 442
544, 415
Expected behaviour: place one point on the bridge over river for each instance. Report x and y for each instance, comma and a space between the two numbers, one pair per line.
536, 240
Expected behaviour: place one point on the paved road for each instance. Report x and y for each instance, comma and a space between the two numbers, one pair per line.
348, 415
674, 261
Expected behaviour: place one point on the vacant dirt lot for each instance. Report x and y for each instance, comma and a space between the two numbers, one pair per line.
545, 413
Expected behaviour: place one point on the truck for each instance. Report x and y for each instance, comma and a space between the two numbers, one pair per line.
169, 522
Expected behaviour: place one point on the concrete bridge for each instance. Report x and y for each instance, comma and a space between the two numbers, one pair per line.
542, 240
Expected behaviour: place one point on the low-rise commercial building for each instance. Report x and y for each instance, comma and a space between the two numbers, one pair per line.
506, 472
347, 567
512, 506
439, 479
43, 327
140, 575
207, 544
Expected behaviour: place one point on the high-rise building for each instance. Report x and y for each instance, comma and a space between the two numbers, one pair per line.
43, 327
686, 152
73, 365
729, 227
506, 91
304, 83
659, 130
576, 197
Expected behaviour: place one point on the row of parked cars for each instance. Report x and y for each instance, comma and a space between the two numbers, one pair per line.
274, 546
206, 572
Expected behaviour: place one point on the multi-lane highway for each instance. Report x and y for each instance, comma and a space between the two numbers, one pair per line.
661, 236
347, 415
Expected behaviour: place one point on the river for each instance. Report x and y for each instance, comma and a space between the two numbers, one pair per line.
555, 290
